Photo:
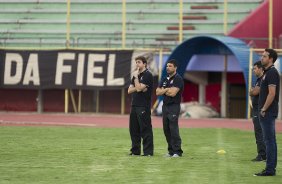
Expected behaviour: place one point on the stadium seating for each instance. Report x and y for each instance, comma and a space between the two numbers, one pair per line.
98, 23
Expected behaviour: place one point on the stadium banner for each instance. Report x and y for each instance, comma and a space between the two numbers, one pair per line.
65, 69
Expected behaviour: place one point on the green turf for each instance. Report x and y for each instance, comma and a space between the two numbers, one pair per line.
96, 155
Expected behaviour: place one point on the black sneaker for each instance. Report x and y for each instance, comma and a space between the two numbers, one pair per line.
264, 173
132, 154
258, 159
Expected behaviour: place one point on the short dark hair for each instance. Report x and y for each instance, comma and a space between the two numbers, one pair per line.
258, 64
272, 54
142, 58
173, 61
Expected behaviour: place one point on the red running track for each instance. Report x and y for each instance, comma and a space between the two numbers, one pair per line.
116, 121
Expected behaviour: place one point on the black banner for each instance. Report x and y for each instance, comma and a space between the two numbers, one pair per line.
72, 69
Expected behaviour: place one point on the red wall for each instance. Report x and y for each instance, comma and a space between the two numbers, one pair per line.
18, 100
255, 25
213, 95
191, 92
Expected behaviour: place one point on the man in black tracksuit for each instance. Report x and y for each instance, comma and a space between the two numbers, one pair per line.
254, 93
171, 88
140, 125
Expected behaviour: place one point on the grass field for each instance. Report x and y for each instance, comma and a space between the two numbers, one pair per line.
99, 155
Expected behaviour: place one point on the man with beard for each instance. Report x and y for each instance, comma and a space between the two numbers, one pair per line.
171, 88
254, 93
268, 105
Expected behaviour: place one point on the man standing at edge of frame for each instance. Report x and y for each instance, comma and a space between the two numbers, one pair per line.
140, 124
268, 105
254, 93
171, 88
